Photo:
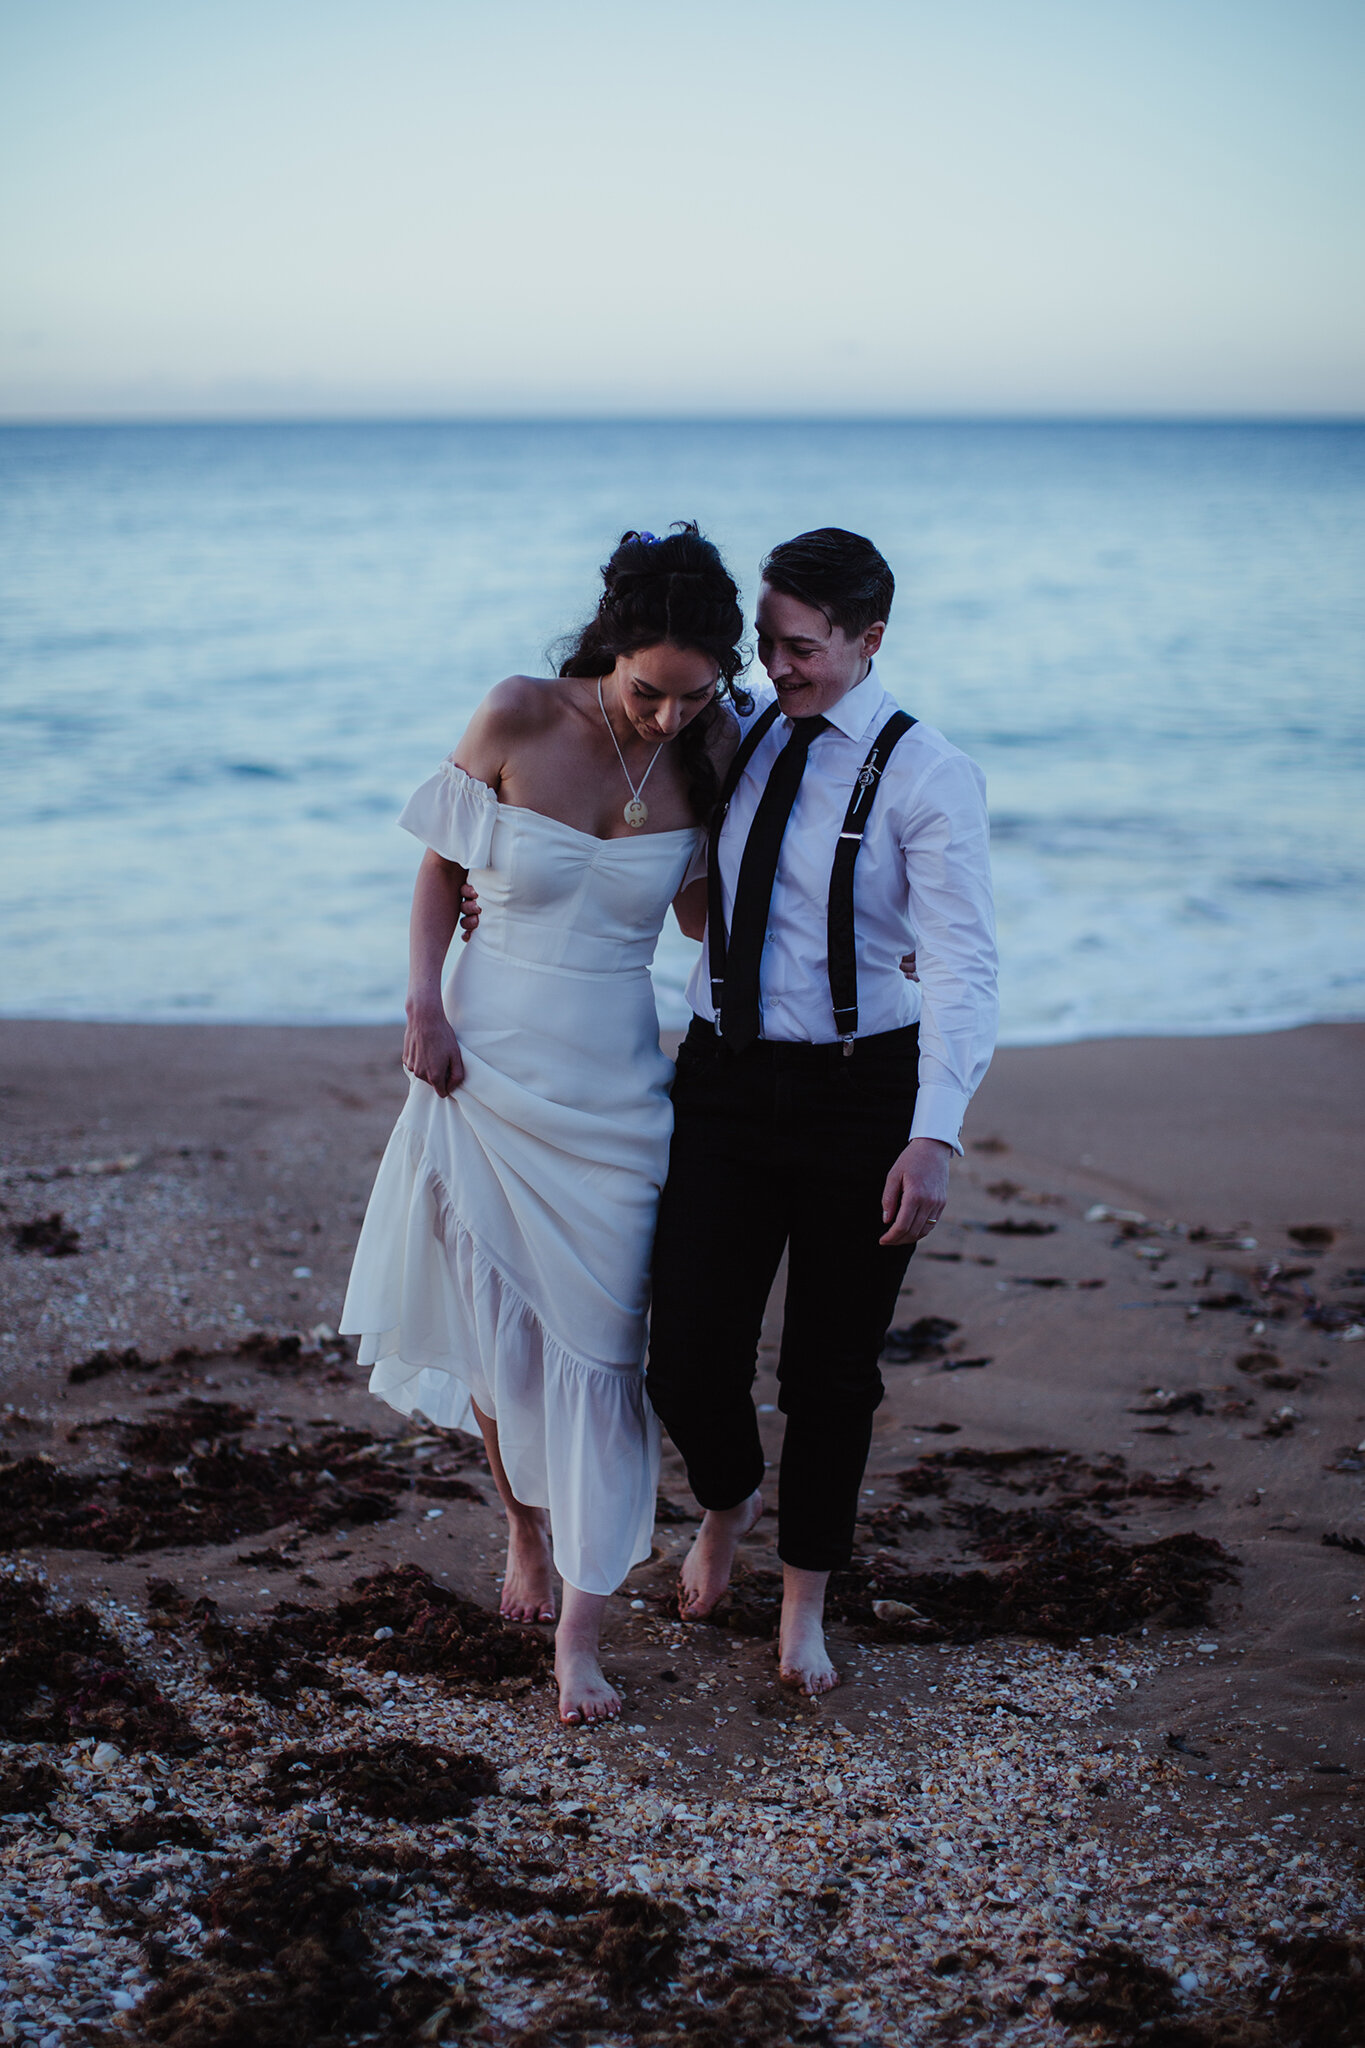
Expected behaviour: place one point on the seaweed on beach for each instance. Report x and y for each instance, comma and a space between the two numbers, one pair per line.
1318, 1997
394, 1780
51, 1237
1061, 1578
196, 1482
64, 1674
398, 1620
1118, 1989
926, 1337
1040, 1468
739, 2006
29, 1788
288, 1965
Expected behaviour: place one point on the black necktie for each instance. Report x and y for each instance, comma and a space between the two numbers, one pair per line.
739, 1011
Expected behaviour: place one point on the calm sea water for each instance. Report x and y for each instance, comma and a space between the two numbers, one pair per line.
227, 653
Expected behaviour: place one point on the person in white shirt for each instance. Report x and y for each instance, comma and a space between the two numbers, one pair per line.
820, 1093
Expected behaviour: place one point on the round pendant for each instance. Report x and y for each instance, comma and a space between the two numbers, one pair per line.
635, 813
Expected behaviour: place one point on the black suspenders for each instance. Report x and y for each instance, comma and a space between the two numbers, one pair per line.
841, 948
843, 960
717, 938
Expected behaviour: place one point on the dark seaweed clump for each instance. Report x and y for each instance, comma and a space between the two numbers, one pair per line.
63, 1674
197, 1483
288, 1963
1315, 2000
50, 1236
395, 1780
1063, 1578
29, 1788
289, 1966
164, 1830
399, 1620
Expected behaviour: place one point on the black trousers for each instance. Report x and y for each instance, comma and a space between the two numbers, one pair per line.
780, 1147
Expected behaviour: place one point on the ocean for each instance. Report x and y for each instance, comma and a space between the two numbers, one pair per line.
228, 652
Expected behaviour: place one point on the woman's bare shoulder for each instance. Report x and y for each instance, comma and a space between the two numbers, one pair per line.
520, 705
517, 709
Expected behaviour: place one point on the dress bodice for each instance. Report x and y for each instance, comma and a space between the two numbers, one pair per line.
551, 895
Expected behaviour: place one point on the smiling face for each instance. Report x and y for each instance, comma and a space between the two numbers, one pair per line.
660, 689
811, 662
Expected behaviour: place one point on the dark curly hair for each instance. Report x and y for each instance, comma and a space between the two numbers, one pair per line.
677, 589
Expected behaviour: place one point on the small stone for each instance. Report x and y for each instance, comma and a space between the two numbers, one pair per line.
303, 1272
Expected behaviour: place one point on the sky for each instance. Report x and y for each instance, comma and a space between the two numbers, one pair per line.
258, 208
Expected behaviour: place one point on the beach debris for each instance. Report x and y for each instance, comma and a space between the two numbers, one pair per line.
1013, 1226
1281, 1423
29, 1788
398, 1779
96, 1169
1003, 1190
1350, 1458
962, 1364
889, 1522
434, 1631
51, 1237
668, 1513
1063, 1578
1119, 1989
288, 1962
1334, 1541
1100, 1212
1318, 1997
989, 1145
65, 1674
1179, 1743
1035, 1280
165, 1829
1190, 1402
927, 1337
199, 1483
1312, 1237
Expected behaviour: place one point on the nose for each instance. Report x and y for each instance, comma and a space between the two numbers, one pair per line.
669, 717
777, 664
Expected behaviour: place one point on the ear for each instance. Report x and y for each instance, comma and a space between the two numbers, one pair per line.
872, 638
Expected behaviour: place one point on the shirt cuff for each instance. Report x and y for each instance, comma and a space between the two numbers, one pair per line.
938, 1114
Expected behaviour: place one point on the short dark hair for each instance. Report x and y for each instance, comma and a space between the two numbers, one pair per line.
840, 573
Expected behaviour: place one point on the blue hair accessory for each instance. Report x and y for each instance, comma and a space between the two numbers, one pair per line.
650, 540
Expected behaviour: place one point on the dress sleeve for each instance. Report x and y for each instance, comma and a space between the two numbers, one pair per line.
454, 815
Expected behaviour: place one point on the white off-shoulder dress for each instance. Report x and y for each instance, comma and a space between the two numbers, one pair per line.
504, 1256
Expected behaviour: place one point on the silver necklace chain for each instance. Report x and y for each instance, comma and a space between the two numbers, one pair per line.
636, 813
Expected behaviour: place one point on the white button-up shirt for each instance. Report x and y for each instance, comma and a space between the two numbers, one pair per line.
922, 883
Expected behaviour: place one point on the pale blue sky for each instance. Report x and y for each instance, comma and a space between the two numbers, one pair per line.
221, 207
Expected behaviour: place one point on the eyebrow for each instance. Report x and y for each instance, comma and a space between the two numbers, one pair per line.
655, 691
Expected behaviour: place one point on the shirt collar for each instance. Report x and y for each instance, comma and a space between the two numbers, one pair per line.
857, 708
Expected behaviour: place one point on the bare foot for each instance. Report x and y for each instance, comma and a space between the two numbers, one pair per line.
584, 1694
802, 1659
528, 1586
709, 1563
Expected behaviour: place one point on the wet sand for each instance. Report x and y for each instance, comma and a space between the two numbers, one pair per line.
1187, 1366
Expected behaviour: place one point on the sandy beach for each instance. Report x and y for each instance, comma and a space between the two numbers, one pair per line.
1097, 1759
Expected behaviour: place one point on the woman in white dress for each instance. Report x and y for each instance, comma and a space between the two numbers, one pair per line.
501, 1278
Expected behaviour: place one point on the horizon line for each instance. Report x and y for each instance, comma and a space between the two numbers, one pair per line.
379, 418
